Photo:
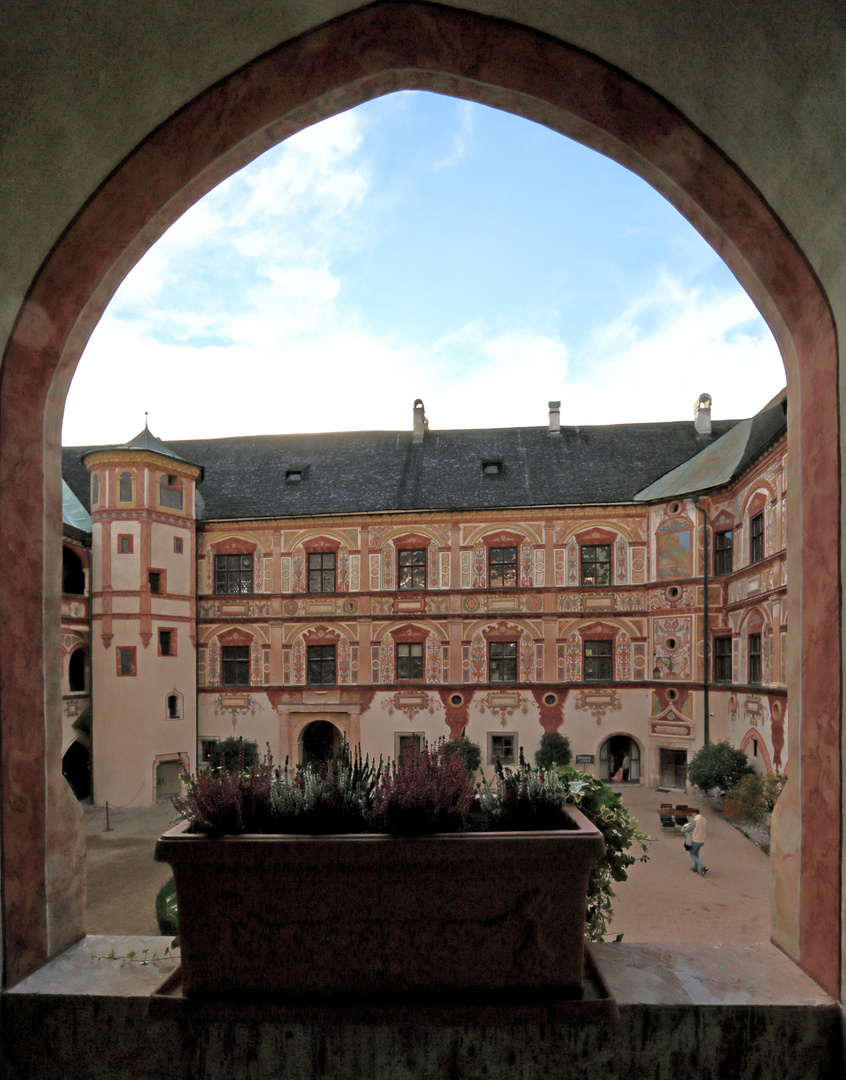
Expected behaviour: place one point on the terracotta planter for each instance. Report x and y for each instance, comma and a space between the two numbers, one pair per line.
331, 915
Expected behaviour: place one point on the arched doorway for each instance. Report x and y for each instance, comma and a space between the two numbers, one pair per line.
76, 769
355, 57
320, 741
612, 759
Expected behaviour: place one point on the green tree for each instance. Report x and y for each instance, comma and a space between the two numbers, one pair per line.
718, 765
227, 754
471, 752
554, 750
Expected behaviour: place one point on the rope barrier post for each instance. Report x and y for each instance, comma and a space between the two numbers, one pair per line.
108, 827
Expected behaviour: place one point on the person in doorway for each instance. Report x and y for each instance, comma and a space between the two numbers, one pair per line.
696, 830
627, 764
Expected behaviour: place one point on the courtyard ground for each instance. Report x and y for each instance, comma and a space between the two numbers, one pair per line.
661, 901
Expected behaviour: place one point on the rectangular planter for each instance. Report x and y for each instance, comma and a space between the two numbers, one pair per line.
363, 914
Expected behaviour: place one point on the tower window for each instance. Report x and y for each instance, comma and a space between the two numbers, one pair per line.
124, 544
125, 658
170, 492
155, 578
167, 643
125, 492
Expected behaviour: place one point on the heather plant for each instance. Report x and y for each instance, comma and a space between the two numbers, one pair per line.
425, 791
226, 801
525, 798
323, 799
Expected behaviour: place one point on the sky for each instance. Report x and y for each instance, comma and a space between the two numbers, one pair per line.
421, 246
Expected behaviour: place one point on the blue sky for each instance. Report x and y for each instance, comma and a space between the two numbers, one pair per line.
421, 246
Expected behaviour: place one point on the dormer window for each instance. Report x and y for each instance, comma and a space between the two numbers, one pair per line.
491, 468
293, 476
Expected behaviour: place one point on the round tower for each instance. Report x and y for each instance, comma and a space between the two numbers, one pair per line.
144, 619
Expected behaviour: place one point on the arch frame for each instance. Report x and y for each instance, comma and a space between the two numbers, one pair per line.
371, 52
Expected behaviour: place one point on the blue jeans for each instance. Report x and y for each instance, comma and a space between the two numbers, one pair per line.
694, 854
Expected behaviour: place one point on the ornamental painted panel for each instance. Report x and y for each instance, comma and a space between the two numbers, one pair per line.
299, 573
285, 577
444, 556
621, 560
623, 656
480, 570
374, 663
355, 564
527, 566
374, 571
538, 663
465, 663
298, 664
562, 661
386, 661
256, 664
574, 658
478, 660
432, 568
286, 665
377, 536
527, 659
638, 564
673, 647
466, 569
214, 664
559, 532
572, 562
268, 574
569, 602
343, 582
540, 566
445, 663
433, 660
639, 660
388, 562
344, 659
354, 664
559, 560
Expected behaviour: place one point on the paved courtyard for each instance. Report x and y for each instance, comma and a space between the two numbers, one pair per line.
661, 901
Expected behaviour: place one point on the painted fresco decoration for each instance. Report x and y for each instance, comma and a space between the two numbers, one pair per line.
598, 702
410, 703
672, 648
673, 543
235, 705
502, 703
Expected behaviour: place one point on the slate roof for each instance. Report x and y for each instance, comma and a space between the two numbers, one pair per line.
725, 459
372, 471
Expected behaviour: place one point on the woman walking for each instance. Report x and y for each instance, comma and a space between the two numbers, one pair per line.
696, 830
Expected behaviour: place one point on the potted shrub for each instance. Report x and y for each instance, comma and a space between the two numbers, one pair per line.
288, 883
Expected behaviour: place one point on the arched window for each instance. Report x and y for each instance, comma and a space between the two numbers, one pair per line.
126, 487
76, 671
73, 575
173, 707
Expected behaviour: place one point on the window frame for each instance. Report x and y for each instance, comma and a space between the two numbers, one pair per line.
241, 662
131, 652
723, 553
171, 640
409, 677
756, 538
234, 573
178, 546
500, 736
416, 585
599, 658
504, 664
499, 567
322, 571
328, 661
400, 736
595, 562
754, 666
125, 544
721, 657
125, 474
161, 578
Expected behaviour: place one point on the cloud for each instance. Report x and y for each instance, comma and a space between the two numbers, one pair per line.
460, 139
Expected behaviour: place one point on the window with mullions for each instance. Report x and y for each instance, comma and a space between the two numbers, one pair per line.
722, 659
411, 568
596, 564
500, 748
235, 664
722, 552
755, 659
599, 656
321, 665
410, 660
756, 538
502, 656
502, 567
321, 571
233, 574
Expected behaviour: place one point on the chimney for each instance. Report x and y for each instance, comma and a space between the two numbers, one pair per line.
555, 418
421, 424
702, 415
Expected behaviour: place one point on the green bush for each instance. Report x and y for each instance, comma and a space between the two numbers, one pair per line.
227, 754
718, 765
554, 751
471, 752
756, 795
166, 913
